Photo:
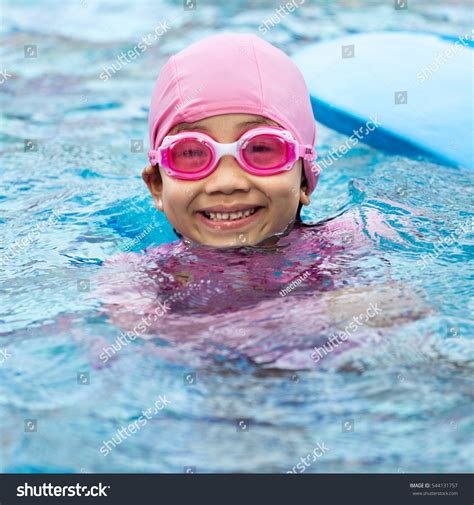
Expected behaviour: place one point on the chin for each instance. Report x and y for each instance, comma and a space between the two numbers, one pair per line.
226, 242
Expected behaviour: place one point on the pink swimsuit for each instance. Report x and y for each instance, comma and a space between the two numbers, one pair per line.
260, 304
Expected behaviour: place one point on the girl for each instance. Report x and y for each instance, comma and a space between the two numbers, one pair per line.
232, 161
232, 134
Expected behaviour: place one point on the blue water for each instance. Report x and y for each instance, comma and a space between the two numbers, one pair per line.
406, 400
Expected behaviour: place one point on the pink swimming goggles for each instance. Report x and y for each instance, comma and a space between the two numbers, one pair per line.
259, 151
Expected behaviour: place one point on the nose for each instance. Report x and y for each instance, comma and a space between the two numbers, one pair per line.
228, 177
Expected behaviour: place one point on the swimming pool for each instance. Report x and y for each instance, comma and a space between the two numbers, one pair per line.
72, 197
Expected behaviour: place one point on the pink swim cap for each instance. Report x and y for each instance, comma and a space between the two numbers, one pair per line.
233, 73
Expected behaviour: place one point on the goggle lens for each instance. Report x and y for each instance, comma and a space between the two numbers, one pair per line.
265, 152
190, 155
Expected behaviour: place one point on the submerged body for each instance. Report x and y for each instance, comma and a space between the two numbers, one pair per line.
272, 305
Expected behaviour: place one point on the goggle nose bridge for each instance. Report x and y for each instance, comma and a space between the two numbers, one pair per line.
228, 149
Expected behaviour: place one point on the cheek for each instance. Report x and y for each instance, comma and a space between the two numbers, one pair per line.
283, 188
176, 196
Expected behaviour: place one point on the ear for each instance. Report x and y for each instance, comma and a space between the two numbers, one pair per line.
304, 193
152, 177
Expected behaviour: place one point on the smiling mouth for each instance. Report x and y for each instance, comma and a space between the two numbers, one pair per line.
229, 216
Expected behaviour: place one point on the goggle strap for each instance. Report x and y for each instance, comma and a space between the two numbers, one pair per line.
153, 157
307, 152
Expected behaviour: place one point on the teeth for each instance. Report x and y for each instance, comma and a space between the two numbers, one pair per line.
224, 216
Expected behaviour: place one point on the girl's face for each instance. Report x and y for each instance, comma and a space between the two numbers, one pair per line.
271, 200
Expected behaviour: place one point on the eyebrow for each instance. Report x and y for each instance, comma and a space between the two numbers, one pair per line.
197, 126
192, 126
257, 121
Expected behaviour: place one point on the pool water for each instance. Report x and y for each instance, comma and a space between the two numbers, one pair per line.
225, 389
